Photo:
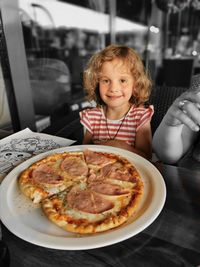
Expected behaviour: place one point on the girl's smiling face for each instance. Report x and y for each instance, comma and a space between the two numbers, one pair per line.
116, 84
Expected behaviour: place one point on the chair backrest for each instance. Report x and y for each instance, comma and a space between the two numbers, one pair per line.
44, 68
161, 98
178, 72
50, 83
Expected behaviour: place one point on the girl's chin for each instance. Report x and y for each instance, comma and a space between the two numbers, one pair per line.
116, 105
114, 100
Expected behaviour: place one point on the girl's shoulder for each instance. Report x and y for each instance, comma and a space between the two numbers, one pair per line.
142, 109
91, 111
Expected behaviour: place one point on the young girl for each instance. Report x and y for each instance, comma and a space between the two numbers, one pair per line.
116, 80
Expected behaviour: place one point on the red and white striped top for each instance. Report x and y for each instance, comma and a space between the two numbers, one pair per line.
94, 121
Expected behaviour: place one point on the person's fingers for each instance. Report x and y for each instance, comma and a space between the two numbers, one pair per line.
190, 96
191, 110
186, 120
183, 112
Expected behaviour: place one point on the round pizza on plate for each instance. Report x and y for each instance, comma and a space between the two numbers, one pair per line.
84, 192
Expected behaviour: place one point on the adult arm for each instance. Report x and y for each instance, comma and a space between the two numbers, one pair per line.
178, 129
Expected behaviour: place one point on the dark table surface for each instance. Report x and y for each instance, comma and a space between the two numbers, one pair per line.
173, 239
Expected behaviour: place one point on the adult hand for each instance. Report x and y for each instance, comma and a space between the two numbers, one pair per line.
185, 110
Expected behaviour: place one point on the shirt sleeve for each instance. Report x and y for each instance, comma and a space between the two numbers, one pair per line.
85, 119
145, 116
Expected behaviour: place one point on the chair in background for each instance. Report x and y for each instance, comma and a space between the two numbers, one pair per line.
51, 84
161, 98
177, 72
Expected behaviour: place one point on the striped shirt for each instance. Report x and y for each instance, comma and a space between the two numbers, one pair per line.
94, 121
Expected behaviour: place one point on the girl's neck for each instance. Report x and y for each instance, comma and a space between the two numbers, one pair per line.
116, 113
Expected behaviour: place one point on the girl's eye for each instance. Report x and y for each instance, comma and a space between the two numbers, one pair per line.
123, 81
104, 81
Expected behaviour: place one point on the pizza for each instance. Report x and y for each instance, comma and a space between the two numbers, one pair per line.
84, 192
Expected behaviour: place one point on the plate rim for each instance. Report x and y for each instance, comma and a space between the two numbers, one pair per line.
102, 239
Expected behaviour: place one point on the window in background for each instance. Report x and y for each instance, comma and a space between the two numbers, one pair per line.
14, 70
5, 119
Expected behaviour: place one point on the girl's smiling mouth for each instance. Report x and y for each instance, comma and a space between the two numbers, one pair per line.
113, 96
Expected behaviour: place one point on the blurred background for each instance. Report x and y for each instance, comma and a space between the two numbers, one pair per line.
45, 45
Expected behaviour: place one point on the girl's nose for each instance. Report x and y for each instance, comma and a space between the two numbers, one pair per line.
114, 87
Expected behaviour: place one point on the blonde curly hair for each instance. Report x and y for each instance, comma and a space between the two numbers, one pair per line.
142, 81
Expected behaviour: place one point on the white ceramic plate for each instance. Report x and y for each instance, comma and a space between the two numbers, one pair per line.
28, 222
